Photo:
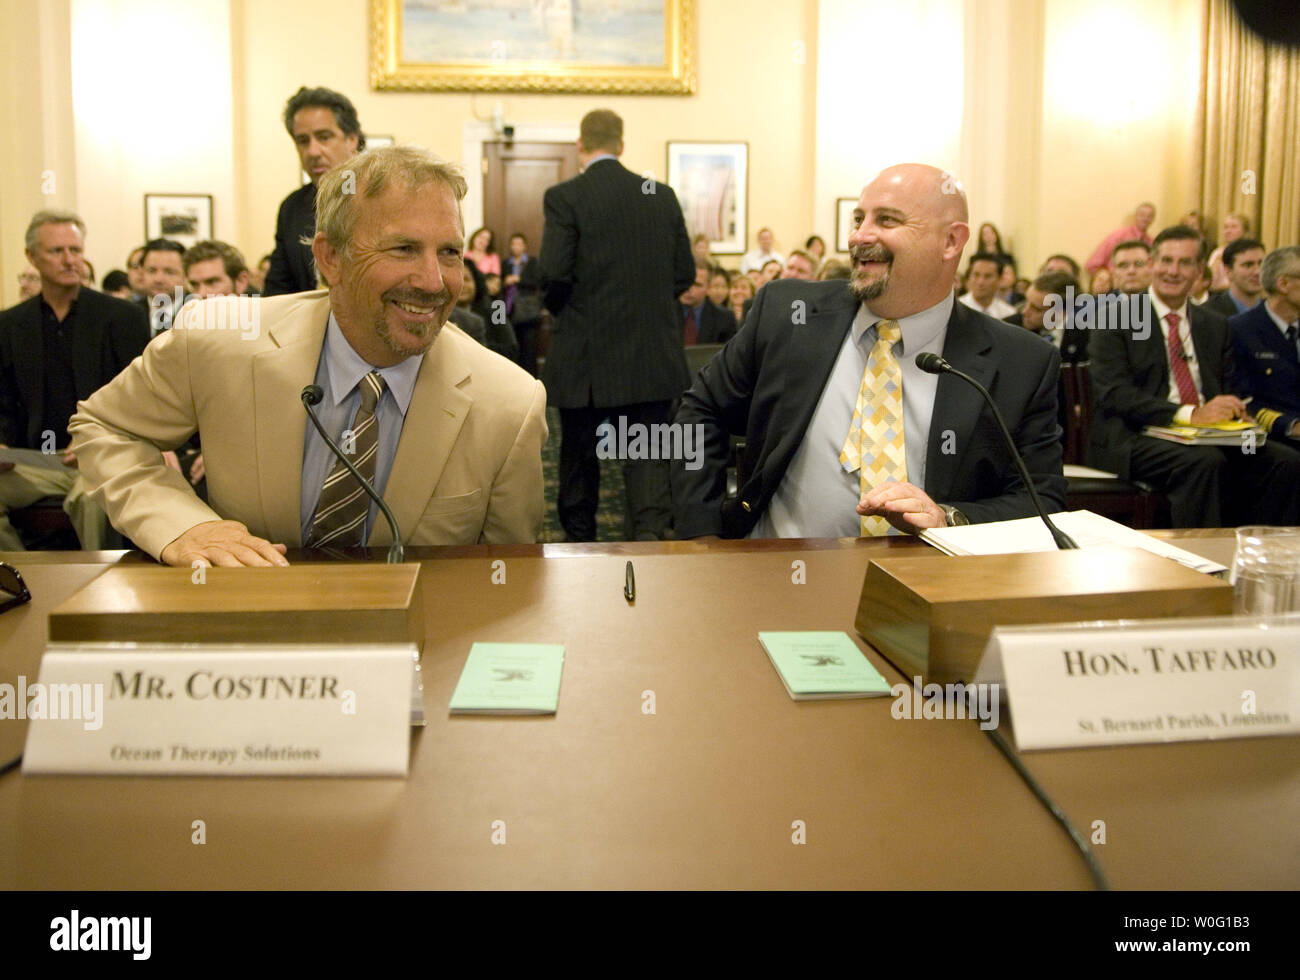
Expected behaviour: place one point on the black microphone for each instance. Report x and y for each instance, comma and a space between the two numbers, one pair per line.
312, 395
934, 364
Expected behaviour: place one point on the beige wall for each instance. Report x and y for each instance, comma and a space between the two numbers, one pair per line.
1059, 115
752, 86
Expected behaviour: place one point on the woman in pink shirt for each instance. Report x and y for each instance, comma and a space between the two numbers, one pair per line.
482, 250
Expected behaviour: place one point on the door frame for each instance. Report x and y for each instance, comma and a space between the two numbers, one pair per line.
477, 133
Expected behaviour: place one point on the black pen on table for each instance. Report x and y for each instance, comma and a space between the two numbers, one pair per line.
629, 583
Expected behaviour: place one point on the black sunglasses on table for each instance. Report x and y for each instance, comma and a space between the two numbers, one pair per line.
13, 590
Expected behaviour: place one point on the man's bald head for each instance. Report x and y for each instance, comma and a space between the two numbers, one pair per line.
929, 185
910, 227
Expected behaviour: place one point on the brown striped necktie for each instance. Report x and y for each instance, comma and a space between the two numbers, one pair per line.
340, 519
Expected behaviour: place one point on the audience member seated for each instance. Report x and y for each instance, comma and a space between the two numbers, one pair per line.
799, 265
702, 322
29, 282
1007, 290
118, 284
1234, 226
135, 273
257, 277
1101, 282
771, 270
1060, 263
1173, 364
326, 132
741, 295
493, 331
1266, 348
482, 252
835, 269
701, 248
756, 258
982, 276
1142, 220
214, 268
163, 280
465, 318
1242, 260
1047, 312
1201, 287
719, 287
56, 348
816, 247
990, 241
1130, 267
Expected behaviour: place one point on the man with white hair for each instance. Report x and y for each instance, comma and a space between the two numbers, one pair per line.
56, 347
848, 435
448, 431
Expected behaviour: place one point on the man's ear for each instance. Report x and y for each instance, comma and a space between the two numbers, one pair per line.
327, 258
241, 283
958, 236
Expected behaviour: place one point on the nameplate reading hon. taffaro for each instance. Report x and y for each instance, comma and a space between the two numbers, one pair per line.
1149, 681
227, 709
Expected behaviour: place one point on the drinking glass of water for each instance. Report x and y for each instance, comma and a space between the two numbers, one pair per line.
1266, 570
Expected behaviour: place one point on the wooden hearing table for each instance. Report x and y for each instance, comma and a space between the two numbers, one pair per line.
708, 791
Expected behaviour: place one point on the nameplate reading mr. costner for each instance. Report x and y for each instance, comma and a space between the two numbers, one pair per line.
1149, 681
224, 709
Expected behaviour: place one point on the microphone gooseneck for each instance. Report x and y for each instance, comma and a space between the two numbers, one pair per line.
312, 395
934, 364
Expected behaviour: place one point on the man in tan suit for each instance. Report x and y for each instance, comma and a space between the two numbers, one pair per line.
451, 433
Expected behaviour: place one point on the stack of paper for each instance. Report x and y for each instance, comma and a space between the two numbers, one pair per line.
1088, 530
1207, 434
510, 679
822, 664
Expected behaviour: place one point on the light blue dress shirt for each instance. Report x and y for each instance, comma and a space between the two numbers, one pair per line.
338, 373
817, 498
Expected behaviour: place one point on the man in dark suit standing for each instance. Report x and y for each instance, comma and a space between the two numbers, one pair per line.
849, 437
615, 257
702, 322
1266, 348
325, 132
56, 348
1171, 363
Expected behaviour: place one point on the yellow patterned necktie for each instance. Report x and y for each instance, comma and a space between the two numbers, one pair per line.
874, 446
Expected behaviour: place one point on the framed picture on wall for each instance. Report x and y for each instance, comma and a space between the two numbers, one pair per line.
611, 48
711, 181
844, 222
186, 218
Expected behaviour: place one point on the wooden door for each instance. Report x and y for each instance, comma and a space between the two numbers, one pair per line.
515, 176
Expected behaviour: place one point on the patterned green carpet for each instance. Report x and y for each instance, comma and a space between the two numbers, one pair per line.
609, 513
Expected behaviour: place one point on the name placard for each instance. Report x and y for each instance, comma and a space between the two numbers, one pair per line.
221, 709
1147, 681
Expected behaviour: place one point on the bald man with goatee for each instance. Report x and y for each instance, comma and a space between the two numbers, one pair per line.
845, 435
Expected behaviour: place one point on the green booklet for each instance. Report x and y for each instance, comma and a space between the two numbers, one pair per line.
510, 679
822, 664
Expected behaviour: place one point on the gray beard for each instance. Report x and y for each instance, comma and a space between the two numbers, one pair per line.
869, 291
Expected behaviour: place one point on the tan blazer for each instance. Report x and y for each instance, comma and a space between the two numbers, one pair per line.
468, 467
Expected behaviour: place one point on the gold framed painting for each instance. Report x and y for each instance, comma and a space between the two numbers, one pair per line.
612, 47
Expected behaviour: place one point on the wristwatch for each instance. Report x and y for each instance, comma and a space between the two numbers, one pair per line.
953, 516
